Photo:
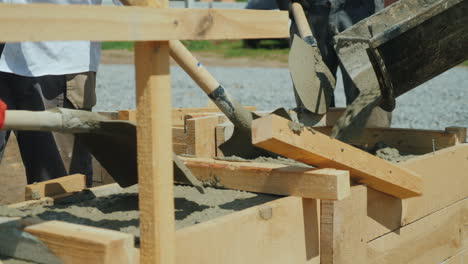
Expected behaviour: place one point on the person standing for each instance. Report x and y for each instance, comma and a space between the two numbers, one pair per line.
326, 19
37, 76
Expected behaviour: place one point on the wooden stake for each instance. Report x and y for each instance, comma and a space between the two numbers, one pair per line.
154, 141
274, 134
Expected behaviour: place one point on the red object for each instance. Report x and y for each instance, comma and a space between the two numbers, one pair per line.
389, 2
3, 107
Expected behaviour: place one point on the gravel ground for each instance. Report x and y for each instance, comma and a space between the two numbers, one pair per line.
438, 103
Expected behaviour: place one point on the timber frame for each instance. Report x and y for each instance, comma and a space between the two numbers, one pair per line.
361, 225
364, 226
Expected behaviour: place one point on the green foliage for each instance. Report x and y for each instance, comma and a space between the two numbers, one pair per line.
126, 45
266, 49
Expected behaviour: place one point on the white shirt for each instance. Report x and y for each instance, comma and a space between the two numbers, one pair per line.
35, 59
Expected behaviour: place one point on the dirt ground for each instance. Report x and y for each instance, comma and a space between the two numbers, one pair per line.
209, 59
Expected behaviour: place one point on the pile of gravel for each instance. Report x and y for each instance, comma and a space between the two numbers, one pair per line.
438, 103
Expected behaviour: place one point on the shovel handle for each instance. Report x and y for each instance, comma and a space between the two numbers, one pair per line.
57, 119
192, 67
301, 21
32, 120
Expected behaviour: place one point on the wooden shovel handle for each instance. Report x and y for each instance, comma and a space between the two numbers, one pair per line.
301, 20
192, 67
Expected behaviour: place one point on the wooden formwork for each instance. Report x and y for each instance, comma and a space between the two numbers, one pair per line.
362, 226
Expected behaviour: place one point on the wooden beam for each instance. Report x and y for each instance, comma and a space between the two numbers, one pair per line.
178, 114
308, 146
277, 232
201, 140
413, 141
55, 187
272, 178
128, 114
154, 145
74, 243
459, 258
341, 229
15, 243
445, 182
432, 239
109, 23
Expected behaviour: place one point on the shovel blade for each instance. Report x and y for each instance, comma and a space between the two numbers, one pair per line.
313, 81
115, 147
240, 143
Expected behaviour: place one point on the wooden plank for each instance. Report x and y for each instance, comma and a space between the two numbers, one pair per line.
154, 144
460, 132
55, 187
445, 182
281, 231
110, 23
459, 258
431, 239
201, 141
414, 141
178, 135
179, 149
308, 146
341, 229
74, 243
21, 245
128, 114
271, 178
179, 114
222, 133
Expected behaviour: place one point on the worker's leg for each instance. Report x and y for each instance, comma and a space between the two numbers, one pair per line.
63, 156
39, 151
73, 91
80, 94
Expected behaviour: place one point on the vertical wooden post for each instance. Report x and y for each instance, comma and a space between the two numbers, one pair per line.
154, 135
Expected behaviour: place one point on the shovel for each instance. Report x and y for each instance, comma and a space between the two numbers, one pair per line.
240, 143
112, 142
313, 81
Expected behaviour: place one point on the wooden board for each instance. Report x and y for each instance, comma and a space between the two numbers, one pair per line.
278, 232
272, 133
445, 175
154, 145
178, 114
55, 187
201, 141
341, 229
74, 243
432, 239
459, 258
271, 178
413, 141
109, 23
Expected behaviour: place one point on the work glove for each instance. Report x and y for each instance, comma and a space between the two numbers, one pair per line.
3, 108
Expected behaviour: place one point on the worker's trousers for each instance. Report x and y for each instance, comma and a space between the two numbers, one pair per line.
328, 18
48, 155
